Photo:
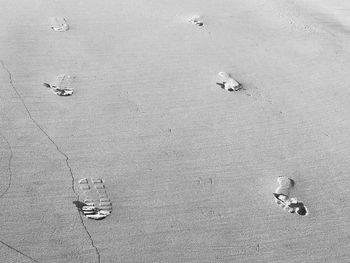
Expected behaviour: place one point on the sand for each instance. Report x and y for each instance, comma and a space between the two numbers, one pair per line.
190, 168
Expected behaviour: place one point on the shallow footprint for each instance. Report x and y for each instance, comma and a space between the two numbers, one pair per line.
59, 24
282, 198
281, 193
226, 82
196, 20
62, 85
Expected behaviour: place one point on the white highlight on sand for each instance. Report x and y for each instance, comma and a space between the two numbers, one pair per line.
59, 24
284, 185
228, 83
97, 216
83, 181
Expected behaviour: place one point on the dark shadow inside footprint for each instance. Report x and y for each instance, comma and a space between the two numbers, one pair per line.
299, 208
279, 197
79, 205
47, 85
292, 182
222, 85
237, 88
197, 22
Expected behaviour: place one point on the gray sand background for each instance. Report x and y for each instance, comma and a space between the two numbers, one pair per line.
190, 168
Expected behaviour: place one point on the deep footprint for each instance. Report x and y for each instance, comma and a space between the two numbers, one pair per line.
282, 198
226, 82
59, 24
96, 203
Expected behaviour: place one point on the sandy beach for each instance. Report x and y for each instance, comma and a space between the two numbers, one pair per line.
190, 167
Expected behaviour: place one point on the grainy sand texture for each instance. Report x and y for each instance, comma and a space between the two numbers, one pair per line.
189, 167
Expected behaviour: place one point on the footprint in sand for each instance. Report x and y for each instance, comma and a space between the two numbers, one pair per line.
62, 85
96, 203
281, 194
226, 82
59, 24
196, 20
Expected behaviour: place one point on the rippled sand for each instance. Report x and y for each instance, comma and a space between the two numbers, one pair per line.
190, 168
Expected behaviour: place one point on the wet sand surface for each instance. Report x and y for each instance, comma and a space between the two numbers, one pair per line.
189, 167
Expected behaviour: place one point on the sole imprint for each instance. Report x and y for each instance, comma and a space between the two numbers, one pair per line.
96, 203
226, 82
61, 85
283, 199
59, 24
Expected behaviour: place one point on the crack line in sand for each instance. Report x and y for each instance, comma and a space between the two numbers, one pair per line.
18, 251
59, 150
9, 167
